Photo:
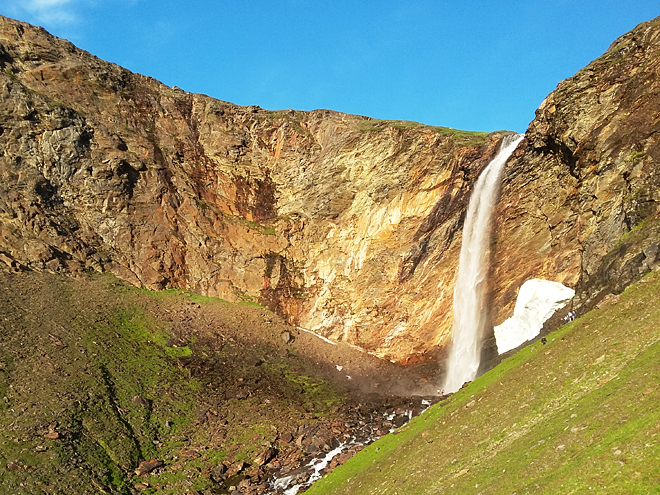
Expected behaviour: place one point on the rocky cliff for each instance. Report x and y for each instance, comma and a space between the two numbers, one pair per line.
345, 225
580, 199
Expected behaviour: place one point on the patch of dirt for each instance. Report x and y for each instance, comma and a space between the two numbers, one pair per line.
347, 367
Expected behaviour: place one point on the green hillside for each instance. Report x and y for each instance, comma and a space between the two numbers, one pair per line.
578, 415
97, 377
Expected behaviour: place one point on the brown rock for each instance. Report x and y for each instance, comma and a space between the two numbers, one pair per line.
140, 401
220, 470
583, 178
286, 438
254, 471
264, 456
235, 468
147, 466
189, 453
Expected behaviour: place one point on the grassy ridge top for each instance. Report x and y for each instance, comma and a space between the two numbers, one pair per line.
461, 137
577, 415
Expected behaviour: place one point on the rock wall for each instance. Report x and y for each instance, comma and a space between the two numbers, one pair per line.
347, 226
580, 200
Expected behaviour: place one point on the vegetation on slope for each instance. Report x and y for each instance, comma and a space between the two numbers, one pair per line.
461, 137
97, 377
577, 415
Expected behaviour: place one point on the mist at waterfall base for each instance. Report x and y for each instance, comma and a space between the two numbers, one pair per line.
470, 312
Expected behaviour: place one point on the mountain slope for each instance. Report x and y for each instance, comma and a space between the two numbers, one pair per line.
576, 415
580, 200
97, 377
344, 225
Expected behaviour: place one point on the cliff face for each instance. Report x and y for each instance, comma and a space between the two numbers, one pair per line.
580, 200
347, 226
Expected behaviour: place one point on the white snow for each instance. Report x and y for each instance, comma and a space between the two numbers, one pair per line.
324, 339
537, 301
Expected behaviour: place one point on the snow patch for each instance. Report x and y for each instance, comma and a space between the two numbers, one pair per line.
537, 301
324, 339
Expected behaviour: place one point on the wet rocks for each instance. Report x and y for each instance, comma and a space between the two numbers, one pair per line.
362, 424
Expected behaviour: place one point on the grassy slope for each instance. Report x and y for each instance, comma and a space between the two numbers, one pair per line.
579, 415
79, 351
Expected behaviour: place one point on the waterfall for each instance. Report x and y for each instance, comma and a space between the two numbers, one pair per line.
470, 313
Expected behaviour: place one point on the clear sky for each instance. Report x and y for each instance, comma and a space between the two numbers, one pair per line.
470, 64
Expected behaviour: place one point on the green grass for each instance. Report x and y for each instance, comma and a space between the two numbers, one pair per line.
88, 384
577, 415
96, 356
461, 137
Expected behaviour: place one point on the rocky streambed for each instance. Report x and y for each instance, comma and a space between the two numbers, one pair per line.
300, 457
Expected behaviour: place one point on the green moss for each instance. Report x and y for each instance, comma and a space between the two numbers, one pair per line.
633, 234
461, 137
249, 302
318, 395
636, 156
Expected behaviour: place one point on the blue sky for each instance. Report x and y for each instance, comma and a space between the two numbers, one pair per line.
471, 64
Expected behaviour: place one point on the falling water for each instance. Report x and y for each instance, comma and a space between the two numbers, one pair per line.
470, 315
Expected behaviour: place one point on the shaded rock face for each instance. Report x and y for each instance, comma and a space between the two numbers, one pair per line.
346, 226
580, 200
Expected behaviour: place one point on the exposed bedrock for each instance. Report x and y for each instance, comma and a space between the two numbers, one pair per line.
580, 200
345, 225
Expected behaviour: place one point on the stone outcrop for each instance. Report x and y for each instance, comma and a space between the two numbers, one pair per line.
347, 226
580, 199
